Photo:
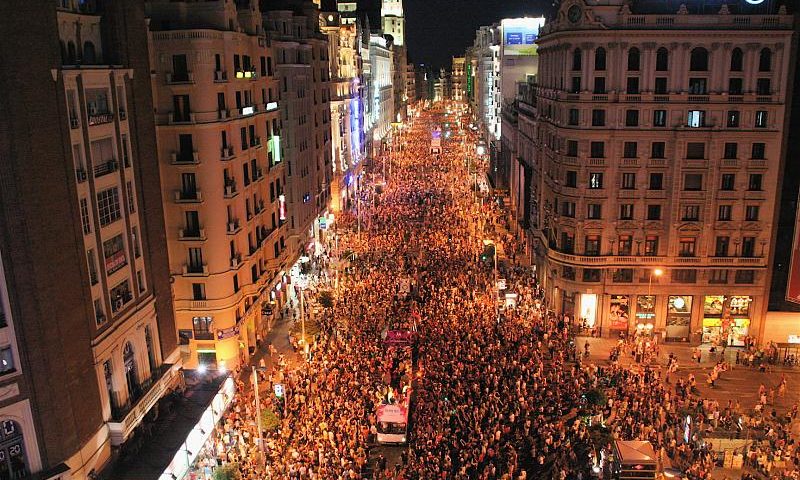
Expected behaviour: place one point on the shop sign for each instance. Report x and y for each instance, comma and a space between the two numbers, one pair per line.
501, 284
323, 223
740, 306
619, 312
230, 332
645, 307
278, 390
794, 339
713, 305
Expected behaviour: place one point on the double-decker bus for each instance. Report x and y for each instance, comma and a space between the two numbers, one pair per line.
396, 390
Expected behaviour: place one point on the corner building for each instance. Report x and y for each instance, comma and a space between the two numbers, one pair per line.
87, 335
652, 145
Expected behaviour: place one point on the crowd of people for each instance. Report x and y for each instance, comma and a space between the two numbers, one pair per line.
500, 393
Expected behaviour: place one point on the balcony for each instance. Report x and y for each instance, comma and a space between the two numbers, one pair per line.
255, 142
220, 76
729, 163
184, 158
180, 78
223, 114
259, 207
249, 74
270, 106
188, 196
181, 118
80, 175
105, 168
100, 118
127, 414
236, 261
226, 153
230, 189
192, 270
192, 234
234, 227
757, 164
259, 175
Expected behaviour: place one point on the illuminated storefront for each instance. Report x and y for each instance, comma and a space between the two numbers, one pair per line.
619, 312
679, 317
589, 309
645, 311
726, 319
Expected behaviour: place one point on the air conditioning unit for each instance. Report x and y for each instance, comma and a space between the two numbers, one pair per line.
229, 190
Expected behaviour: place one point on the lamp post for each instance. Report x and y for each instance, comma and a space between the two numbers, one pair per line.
657, 272
258, 416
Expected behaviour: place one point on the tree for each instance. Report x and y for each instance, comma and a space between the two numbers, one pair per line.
269, 421
325, 298
596, 397
229, 471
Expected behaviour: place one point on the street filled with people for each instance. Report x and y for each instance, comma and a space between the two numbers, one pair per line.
498, 391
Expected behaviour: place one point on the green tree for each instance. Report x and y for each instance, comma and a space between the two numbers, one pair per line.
596, 397
269, 421
325, 298
229, 471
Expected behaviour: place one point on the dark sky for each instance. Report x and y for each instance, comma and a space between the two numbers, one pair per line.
439, 29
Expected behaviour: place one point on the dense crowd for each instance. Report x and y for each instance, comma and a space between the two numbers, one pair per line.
501, 393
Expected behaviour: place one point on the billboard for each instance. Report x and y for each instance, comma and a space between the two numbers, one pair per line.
520, 34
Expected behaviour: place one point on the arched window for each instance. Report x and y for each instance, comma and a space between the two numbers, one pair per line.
577, 59
13, 461
129, 358
89, 55
151, 350
699, 60
737, 58
633, 59
662, 60
765, 60
71, 53
600, 59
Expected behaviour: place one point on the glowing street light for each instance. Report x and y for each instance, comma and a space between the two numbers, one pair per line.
657, 272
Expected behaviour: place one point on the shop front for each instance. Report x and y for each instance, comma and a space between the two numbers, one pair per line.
588, 310
679, 318
645, 315
726, 319
619, 313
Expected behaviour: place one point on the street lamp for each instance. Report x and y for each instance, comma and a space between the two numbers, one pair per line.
657, 272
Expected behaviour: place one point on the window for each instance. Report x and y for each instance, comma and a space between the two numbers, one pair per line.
202, 328
735, 86
737, 60
622, 275
99, 313
594, 211
660, 87
568, 209
733, 118
724, 213
195, 260
632, 118
699, 60
749, 247
135, 241
108, 206
87, 226
198, 291
568, 273
684, 275
758, 151
691, 213
662, 60
235, 282
656, 181
628, 181
765, 60
592, 245
577, 59
696, 118
754, 184
625, 245
751, 213
651, 245
114, 254
728, 181
696, 150
697, 86
567, 242
595, 180
600, 85
658, 150
654, 212
687, 247
92, 263
731, 150
572, 148
120, 295
659, 118
626, 211
633, 59
745, 276
571, 179
761, 119
576, 85
721, 246
600, 59
763, 86
717, 276
598, 118
597, 149
591, 275
693, 181
630, 150
632, 87
574, 116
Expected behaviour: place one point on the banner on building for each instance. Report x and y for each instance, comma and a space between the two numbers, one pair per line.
619, 312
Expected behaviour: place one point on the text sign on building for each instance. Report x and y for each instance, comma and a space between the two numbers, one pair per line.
520, 34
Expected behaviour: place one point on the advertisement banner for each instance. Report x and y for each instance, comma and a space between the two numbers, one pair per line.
619, 312
645, 308
713, 305
679, 316
520, 34
740, 306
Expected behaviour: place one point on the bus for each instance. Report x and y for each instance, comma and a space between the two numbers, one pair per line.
395, 394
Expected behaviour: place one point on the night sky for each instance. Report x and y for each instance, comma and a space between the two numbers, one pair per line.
437, 30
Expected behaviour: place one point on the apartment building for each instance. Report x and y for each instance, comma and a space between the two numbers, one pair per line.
411, 85
87, 337
651, 147
457, 79
303, 71
223, 175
